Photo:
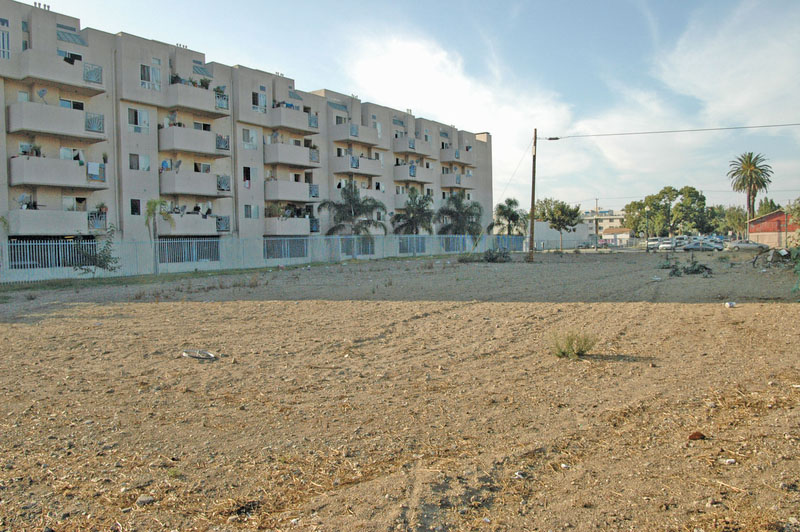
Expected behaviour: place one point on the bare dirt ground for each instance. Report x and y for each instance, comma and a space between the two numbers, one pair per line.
406, 395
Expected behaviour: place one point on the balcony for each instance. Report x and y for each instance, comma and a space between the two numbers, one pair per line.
378, 195
293, 120
287, 226
43, 222
188, 224
41, 119
457, 181
190, 183
44, 172
35, 66
413, 173
412, 145
400, 201
280, 190
354, 133
197, 100
291, 155
350, 164
195, 141
454, 155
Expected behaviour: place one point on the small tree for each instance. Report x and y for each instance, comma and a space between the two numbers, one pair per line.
154, 208
90, 259
353, 215
459, 217
418, 215
560, 216
508, 217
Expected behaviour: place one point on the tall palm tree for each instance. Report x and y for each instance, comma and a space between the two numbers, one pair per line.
460, 217
509, 217
153, 208
418, 215
750, 174
354, 214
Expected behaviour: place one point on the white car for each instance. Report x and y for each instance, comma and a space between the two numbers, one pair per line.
666, 245
736, 245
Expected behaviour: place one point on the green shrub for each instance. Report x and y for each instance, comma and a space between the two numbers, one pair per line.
572, 344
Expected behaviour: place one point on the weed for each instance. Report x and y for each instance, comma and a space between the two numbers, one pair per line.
572, 344
723, 258
30, 297
500, 255
174, 472
427, 265
389, 282
253, 281
468, 257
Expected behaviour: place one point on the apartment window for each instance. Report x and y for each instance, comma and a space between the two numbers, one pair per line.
73, 203
469, 196
136, 207
246, 176
378, 215
259, 101
427, 164
69, 57
203, 126
309, 177
341, 120
71, 104
429, 192
340, 152
138, 120
444, 194
297, 142
150, 76
139, 162
25, 26
24, 45
377, 185
249, 139
379, 156
248, 211
296, 178
202, 168
445, 170
5, 44
23, 96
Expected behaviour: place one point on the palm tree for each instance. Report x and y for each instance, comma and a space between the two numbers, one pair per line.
509, 217
354, 213
153, 208
418, 215
750, 174
459, 217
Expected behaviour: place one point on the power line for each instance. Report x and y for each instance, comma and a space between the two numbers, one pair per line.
671, 131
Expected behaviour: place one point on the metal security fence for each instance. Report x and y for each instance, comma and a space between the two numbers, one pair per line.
43, 259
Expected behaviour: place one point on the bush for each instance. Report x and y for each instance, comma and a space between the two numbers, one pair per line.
499, 255
572, 344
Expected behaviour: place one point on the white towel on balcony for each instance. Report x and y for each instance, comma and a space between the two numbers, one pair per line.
94, 168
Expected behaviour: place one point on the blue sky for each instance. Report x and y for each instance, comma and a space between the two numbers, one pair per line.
569, 67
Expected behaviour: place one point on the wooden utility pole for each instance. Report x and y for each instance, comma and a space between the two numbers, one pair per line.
596, 232
531, 240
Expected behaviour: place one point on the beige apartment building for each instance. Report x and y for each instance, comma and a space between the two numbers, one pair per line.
96, 125
603, 219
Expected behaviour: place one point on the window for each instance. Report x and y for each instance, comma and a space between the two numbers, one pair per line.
5, 44
309, 177
136, 207
73, 203
202, 126
296, 178
23, 96
69, 57
138, 120
246, 176
469, 196
249, 139
444, 194
202, 168
71, 104
377, 185
341, 120
139, 162
150, 76
429, 192
340, 152
248, 211
378, 215
24, 45
259, 101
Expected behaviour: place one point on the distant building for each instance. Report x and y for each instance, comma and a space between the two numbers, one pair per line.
604, 219
773, 229
618, 236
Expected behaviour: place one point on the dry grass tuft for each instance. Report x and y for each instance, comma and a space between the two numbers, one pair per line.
572, 344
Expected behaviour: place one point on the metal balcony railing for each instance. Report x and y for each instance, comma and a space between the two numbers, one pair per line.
313, 191
354, 133
412, 144
313, 121
221, 100
223, 142
412, 170
92, 73
97, 221
224, 183
223, 223
314, 224
353, 161
313, 155
95, 122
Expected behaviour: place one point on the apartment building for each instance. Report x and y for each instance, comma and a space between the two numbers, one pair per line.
97, 124
603, 219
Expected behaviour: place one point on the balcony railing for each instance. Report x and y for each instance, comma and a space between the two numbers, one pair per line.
224, 183
95, 122
313, 121
353, 158
221, 100
92, 73
313, 191
412, 170
97, 221
313, 155
223, 142
314, 225
354, 133
223, 223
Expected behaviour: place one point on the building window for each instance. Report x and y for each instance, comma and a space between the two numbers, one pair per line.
136, 207
5, 45
71, 104
139, 162
469, 196
203, 126
246, 176
378, 215
259, 101
23, 96
429, 192
150, 76
202, 168
309, 177
341, 120
248, 211
70, 57
444, 194
296, 178
249, 139
138, 121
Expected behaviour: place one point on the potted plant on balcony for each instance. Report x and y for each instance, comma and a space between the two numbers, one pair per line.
101, 207
273, 210
36, 150
219, 89
105, 158
205, 82
174, 79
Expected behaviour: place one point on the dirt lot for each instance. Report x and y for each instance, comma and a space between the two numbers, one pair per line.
406, 395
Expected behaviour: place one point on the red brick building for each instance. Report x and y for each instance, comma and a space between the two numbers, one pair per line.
772, 229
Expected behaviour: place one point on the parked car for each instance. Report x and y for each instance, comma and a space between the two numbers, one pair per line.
702, 246
653, 242
666, 245
736, 245
585, 245
680, 241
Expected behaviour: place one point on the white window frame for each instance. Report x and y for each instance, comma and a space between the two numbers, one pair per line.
138, 120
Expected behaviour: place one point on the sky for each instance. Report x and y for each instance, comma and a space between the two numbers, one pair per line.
566, 68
